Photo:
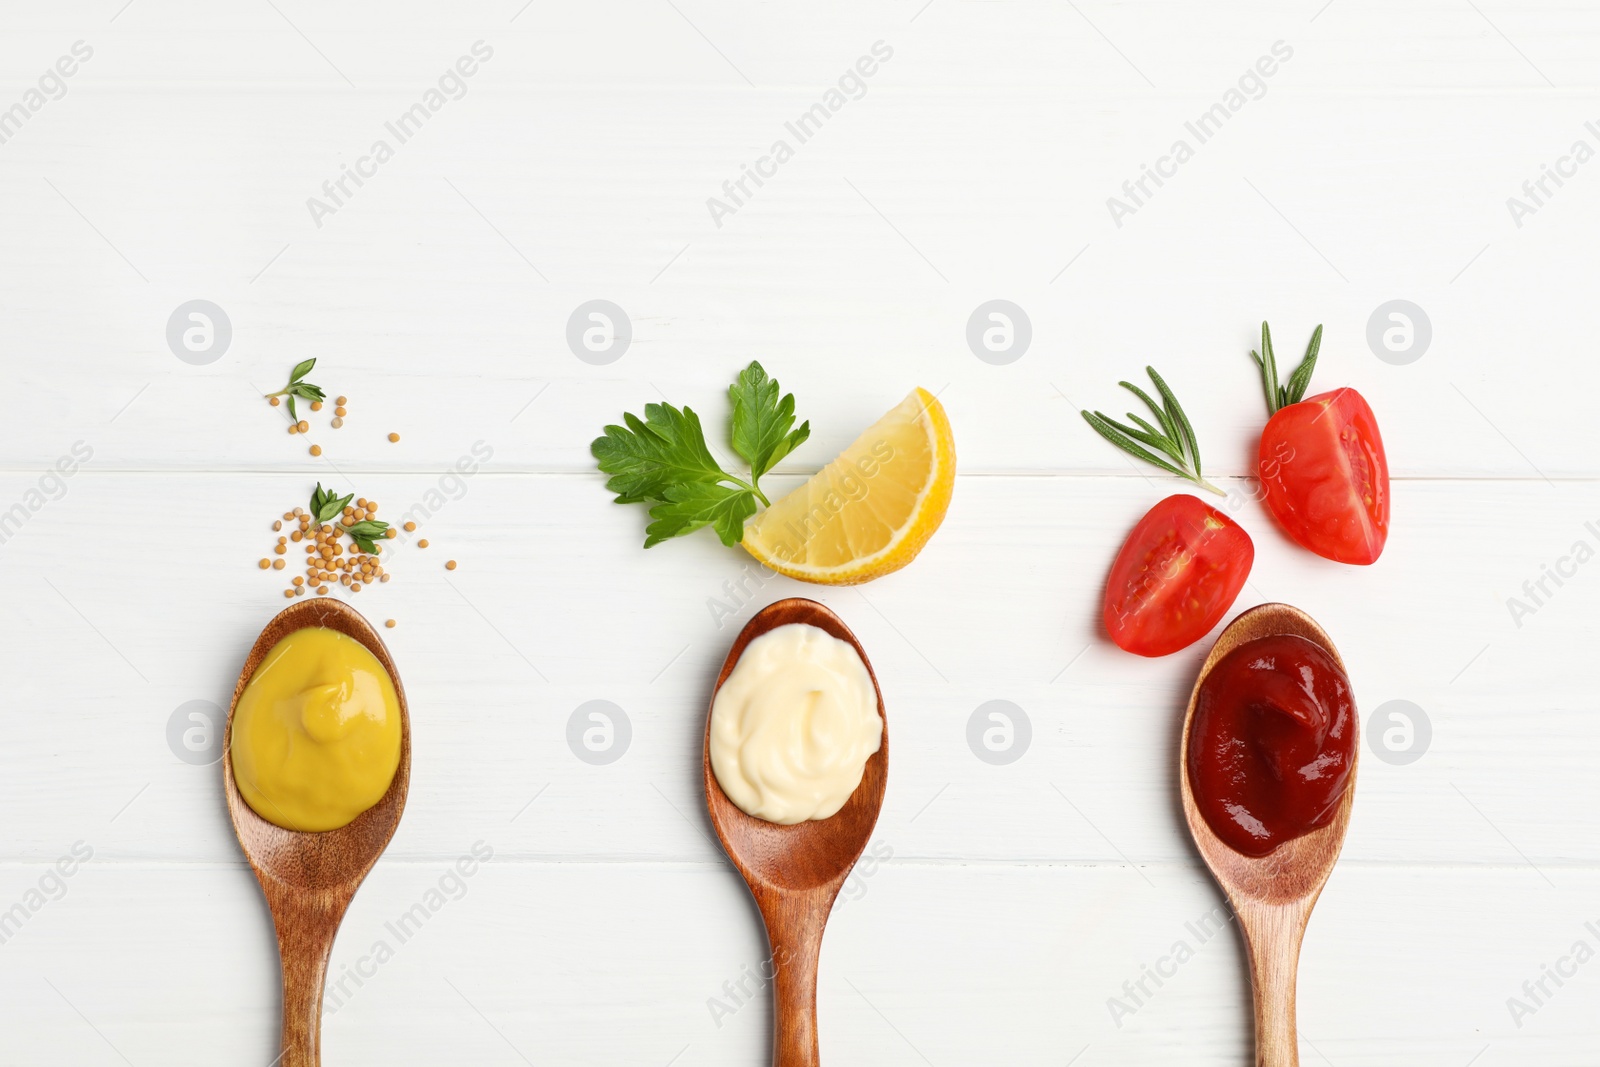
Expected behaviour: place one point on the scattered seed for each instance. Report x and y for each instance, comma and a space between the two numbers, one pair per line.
265, 563
299, 590
289, 592
280, 549
336, 423
277, 524
389, 623
393, 438
384, 578
277, 564
389, 532
410, 526
298, 581
294, 427
316, 450
340, 411
316, 405
305, 427
322, 590
450, 565
295, 535
342, 401
272, 400
422, 543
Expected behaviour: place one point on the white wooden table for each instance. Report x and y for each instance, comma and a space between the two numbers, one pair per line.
1013, 902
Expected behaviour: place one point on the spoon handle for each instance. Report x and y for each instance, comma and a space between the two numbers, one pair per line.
795, 921
306, 924
1273, 933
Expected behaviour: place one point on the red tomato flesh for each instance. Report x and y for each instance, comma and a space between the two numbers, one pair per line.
1325, 478
1175, 576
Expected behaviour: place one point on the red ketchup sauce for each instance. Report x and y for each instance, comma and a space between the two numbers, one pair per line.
1272, 743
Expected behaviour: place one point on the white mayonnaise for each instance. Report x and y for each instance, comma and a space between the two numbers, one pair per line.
794, 724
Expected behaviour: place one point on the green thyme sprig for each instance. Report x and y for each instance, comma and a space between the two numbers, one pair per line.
327, 506
1172, 435
1294, 391
298, 387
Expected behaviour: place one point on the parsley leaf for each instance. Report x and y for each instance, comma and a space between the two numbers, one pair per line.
646, 458
663, 460
761, 421
695, 504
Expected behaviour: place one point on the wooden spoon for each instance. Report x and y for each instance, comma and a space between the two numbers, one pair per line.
310, 878
795, 872
1272, 895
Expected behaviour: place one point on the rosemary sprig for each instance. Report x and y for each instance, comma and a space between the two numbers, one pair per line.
1172, 433
298, 388
1294, 391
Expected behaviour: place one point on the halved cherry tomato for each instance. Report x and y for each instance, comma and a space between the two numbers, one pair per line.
1325, 478
1175, 576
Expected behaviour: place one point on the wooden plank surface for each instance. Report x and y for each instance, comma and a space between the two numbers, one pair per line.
1009, 904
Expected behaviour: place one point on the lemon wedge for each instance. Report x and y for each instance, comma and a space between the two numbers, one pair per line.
871, 510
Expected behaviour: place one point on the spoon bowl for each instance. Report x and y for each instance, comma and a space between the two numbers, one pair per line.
309, 879
795, 872
1272, 895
